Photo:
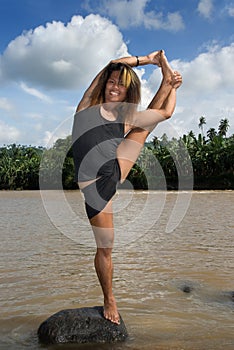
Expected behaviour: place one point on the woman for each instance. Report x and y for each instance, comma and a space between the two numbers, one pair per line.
108, 134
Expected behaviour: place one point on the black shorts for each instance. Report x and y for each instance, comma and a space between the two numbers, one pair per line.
100, 192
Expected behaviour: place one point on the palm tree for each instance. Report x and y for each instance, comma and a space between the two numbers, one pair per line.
202, 121
191, 134
223, 127
211, 133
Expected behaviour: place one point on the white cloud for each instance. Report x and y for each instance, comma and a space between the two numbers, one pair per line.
8, 134
208, 85
62, 56
210, 72
34, 116
133, 13
62, 131
49, 139
205, 8
36, 93
5, 104
230, 10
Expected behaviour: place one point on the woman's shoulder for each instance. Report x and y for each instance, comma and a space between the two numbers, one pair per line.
87, 119
86, 112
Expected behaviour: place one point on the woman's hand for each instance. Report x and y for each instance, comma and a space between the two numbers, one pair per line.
176, 80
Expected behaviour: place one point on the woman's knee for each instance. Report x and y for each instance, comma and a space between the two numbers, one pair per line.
104, 238
103, 229
104, 252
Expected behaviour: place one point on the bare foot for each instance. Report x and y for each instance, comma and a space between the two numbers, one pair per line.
171, 77
110, 311
167, 71
155, 57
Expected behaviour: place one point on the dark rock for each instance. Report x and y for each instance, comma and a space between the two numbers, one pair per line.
188, 286
187, 289
83, 325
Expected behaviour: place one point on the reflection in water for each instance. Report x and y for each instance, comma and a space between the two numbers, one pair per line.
174, 290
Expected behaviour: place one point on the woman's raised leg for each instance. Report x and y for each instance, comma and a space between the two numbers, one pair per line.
129, 149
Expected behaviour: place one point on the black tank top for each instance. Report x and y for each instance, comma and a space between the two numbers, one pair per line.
95, 140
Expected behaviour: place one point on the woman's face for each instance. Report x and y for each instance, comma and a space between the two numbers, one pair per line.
115, 90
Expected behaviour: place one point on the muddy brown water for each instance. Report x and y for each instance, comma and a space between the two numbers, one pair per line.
174, 289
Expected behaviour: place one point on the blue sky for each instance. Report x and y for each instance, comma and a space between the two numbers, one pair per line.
51, 49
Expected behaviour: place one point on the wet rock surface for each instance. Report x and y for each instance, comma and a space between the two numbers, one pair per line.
83, 325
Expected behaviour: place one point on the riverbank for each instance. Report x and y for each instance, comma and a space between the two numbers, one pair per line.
187, 163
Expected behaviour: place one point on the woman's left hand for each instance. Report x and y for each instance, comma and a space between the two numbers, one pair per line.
176, 80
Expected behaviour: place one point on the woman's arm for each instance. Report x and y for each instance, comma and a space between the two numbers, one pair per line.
133, 61
85, 101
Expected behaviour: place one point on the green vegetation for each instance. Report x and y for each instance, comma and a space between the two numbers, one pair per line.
163, 163
19, 166
57, 168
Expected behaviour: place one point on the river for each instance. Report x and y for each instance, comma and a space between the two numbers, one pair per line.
174, 288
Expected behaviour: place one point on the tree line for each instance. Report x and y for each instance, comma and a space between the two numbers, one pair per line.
206, 161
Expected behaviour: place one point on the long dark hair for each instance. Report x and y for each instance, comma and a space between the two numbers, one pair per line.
128, 77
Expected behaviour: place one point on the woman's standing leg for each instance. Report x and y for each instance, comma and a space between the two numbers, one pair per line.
103, 229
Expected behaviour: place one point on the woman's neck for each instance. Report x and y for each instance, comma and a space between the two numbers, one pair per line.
109, 112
